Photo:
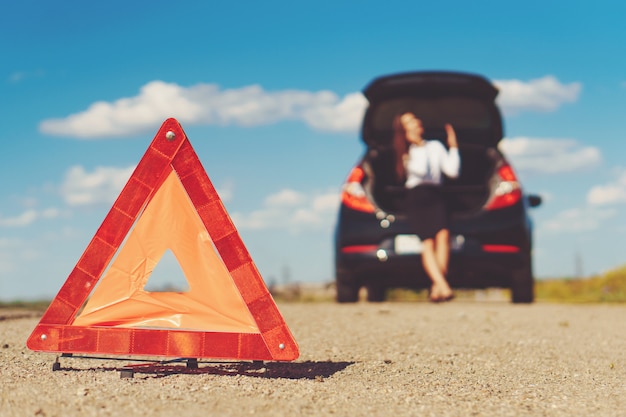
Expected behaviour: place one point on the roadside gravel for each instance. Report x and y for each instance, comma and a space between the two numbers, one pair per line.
402, 359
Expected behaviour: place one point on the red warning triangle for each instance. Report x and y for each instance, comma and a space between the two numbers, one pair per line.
169, 203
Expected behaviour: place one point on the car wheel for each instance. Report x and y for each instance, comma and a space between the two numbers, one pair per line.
376, 293
522, 285
347, 288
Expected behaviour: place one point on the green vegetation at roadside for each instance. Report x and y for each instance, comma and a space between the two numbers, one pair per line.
38, 305
609, 287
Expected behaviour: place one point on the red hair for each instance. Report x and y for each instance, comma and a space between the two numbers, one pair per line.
400, 147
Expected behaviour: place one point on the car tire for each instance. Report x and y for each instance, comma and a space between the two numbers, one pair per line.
522, 285
376, 293
347, 288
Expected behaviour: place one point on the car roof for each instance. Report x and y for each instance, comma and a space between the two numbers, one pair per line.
430, 82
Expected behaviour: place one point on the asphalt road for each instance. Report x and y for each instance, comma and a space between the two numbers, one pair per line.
391, 359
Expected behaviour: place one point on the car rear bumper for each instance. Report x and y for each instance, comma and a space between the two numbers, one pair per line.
473, 266
484, 252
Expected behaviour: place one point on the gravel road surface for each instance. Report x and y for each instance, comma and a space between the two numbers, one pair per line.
391, 359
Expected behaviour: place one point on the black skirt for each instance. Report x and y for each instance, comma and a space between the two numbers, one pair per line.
426, 210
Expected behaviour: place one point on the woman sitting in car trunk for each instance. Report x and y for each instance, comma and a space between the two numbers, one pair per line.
420, 164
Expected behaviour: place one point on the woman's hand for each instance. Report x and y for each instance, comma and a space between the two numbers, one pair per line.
452, 143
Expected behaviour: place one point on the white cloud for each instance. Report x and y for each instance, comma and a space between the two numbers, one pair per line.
19, 76
549, 156
578, 220
542, 94
343, 116
225, 191
285, 198
29, 217
612, 193
326, 202
291, 210
102, 186
207, 104
24, 219
50, 213
16, 77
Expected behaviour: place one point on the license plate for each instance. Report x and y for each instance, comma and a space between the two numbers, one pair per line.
407, 244
411, 244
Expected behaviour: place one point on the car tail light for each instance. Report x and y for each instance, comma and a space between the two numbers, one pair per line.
506, 191
501, 248
359, 248
353, 195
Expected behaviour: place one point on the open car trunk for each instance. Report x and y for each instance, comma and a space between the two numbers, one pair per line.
465, 101
464, 195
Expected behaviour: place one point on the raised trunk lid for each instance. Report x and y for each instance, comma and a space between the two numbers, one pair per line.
464, 100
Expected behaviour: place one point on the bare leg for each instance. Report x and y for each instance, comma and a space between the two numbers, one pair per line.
440, 290
442, 250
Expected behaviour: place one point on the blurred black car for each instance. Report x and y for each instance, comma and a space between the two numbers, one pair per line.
490, 230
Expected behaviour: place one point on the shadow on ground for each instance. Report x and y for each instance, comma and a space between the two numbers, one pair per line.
312, 370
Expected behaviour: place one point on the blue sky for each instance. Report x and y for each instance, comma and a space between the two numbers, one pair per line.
269, 95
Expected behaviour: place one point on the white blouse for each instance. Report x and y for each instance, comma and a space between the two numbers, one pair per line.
426, 162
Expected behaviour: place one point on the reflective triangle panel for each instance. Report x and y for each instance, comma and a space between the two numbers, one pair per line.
168, 203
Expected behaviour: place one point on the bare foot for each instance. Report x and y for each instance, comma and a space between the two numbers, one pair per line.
440, 292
